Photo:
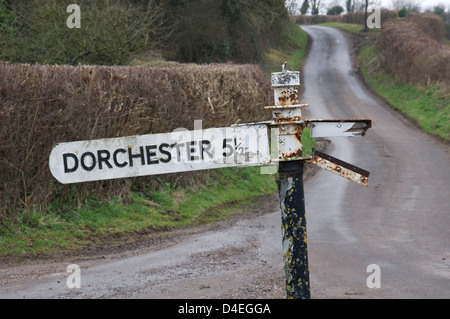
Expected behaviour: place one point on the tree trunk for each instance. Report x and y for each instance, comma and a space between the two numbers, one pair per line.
365, 17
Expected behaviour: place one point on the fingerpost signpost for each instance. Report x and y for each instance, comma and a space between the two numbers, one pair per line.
235, 146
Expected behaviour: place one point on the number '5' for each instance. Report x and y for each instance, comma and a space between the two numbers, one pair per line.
228, 146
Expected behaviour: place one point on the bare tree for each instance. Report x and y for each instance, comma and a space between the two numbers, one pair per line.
408, 5
365, 17
291, 6
315, 6
305, 6
350, 5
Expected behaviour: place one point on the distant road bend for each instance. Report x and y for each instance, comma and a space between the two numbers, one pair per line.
400, 222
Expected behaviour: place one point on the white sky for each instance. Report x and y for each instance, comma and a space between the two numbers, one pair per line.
423, 4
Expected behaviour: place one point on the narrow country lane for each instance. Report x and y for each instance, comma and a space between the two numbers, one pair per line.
400, 222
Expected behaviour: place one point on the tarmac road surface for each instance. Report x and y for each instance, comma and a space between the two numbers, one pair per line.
400, 223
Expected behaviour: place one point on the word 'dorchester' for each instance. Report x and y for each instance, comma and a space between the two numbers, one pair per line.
163, 153
142, 155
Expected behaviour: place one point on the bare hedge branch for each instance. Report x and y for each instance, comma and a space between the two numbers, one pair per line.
41, 105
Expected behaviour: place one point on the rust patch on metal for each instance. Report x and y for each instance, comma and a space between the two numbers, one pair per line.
293, 155
288, 97
341, 168
288, 120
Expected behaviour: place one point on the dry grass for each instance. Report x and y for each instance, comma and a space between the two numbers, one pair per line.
41, 105
315, 19
413, 50
352, 17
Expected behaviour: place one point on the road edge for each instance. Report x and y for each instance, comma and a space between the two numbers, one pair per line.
354, 41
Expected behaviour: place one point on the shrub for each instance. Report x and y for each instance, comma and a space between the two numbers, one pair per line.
224, 30
410, 50
335, 10
111, 31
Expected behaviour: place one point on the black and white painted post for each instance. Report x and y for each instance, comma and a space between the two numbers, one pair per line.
235, 146
289, 123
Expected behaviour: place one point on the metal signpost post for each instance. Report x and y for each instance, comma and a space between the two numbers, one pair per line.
238, 145
288, 121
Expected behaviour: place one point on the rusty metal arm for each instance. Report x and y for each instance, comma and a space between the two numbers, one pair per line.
341, 168
347, 127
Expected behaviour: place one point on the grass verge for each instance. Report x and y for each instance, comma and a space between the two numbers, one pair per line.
428, 106
99, 222
291, 51
350, 27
